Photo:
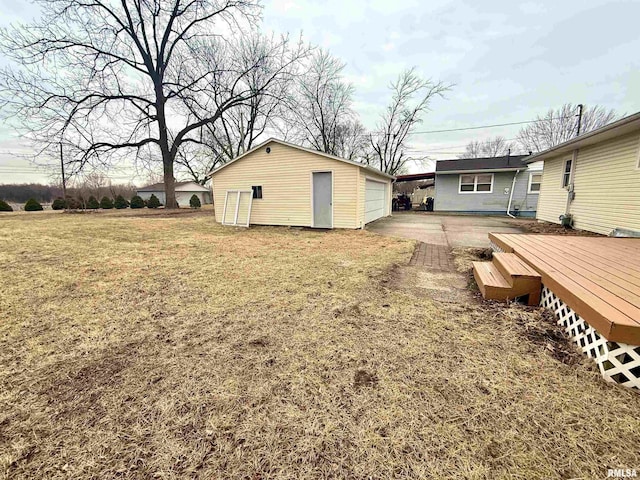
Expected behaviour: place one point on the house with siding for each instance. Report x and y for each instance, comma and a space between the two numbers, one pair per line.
488, 186
594, 178
297, 186
184, 192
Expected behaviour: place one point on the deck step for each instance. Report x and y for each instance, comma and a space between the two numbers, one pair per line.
494, 285
514, 269
491, 282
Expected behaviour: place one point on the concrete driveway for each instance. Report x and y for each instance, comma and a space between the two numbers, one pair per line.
447, 230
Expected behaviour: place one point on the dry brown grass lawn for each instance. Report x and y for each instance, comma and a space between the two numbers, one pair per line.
151, 346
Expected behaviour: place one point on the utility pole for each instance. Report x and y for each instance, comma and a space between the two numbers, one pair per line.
64, 182
580, 107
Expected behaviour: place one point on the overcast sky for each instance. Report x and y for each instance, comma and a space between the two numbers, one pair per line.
509, 61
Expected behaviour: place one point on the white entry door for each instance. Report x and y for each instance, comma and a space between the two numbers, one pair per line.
322, 199
374, 200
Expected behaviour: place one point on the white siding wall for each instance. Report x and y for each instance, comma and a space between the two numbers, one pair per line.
606, 183
181, 197
552, 201
607, 186
285, 177
147, 196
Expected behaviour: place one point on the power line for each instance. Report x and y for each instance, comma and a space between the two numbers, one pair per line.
479, 127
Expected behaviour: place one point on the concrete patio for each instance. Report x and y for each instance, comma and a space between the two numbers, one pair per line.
446, 230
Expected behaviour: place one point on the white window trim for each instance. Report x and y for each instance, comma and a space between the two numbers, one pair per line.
638, 159
475, 183
564, 172
531, 174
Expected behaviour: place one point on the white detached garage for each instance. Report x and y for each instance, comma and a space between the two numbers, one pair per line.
297, 186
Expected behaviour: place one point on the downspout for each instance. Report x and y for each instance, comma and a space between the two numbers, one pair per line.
513, 185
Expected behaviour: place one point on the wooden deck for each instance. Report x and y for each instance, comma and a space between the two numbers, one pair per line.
598, 277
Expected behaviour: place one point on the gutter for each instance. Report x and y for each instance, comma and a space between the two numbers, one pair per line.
477, 170
513, 186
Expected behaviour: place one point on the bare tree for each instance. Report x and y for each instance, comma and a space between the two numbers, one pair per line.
320, 110
560, 125
492, 147
109, 77
351, 140
237, 129
411, 98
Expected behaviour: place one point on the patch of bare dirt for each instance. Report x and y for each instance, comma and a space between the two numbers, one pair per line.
537, 325
362, 378
538, 226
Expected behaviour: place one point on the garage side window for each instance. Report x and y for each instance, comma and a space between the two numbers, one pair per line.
482, 183
257, 191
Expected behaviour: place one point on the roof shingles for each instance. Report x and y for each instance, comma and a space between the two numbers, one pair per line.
512, 162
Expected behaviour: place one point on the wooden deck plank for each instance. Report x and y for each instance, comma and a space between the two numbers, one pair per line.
549, 267
594, 250
511, 265
598, 312
581, 276
545, 252
611, 251
490, 281
618, 287
599, 247
623, 276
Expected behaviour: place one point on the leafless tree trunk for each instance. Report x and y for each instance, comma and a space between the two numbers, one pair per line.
560, 125
410, 100
109, 77
492, 147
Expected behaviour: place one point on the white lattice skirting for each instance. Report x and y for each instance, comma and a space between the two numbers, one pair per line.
495, 247
618, 362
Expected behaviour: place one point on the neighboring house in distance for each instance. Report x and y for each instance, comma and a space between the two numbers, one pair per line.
488, 186
184, 192
594, 177
297, 186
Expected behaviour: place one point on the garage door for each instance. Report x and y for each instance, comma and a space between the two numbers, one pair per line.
374, 201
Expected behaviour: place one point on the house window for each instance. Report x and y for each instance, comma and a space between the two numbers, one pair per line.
535, 179
482, 183
257, 191
566, 174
